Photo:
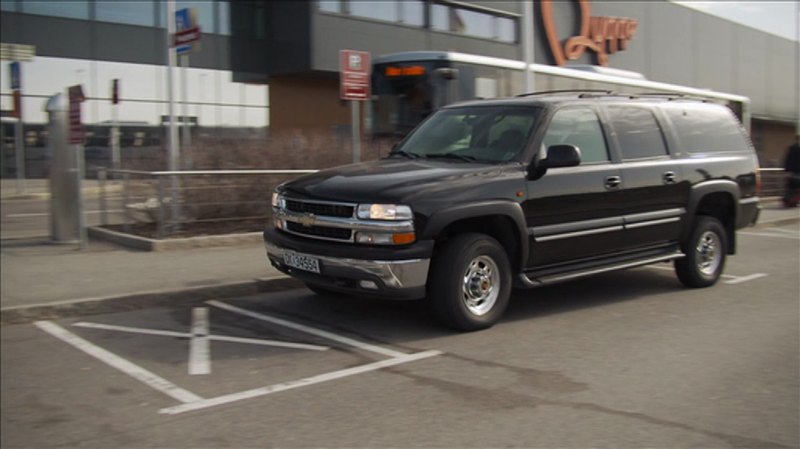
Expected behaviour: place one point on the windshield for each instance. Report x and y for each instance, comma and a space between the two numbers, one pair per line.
485, 134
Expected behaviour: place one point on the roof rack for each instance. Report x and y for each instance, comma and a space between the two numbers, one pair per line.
567, 91
670, 96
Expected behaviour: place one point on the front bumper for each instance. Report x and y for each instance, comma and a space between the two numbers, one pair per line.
391, 279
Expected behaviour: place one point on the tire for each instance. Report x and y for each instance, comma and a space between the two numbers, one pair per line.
470, 282
705, 251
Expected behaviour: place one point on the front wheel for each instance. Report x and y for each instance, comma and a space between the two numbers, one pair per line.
705, 254
470, 282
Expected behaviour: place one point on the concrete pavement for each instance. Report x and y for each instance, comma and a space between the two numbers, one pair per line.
36, 273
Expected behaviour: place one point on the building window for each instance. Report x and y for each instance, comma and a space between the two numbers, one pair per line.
8, 5
129, 12
69, 9
473, 23
224, 18
412, 12
439, 18
506, 29
383, 10
330, 6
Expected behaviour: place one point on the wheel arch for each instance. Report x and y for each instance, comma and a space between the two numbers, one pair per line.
502, 220
718, 199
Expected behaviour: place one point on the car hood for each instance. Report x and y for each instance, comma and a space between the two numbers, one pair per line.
390, 180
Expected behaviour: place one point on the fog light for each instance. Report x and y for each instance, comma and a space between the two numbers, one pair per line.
383, 238
371, 285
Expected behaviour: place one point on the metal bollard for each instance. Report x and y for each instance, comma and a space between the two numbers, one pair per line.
101, 178
161, 212
125, 198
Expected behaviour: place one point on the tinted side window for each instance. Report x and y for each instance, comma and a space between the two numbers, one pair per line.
579, 127
706, 128
638, 133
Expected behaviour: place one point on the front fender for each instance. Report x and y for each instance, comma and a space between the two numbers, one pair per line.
444, 217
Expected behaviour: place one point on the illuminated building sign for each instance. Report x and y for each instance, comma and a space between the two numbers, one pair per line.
602, 35
414, 70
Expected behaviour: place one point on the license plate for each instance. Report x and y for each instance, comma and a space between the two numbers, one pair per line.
301, 262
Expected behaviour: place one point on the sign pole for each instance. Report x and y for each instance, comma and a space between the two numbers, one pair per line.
115, 150
355, 85
187, 139
77, 137
174, 148
527, 43
19, 143
19, 146
356, 127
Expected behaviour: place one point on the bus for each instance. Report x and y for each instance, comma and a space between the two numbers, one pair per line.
408, 86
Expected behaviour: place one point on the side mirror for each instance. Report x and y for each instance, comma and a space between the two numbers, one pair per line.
561, 156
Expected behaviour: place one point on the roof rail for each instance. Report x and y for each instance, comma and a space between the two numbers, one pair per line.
567, 91
670, 96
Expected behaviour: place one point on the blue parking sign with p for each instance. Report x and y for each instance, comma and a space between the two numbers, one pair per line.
183, 19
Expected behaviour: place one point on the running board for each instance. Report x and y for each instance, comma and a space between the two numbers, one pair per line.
560, 277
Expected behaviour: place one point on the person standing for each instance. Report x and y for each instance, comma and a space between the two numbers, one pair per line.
792, 165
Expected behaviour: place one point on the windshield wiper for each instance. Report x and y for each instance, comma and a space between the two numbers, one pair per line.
461, 157
404, 153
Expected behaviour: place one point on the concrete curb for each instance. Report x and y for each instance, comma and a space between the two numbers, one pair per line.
143, 300
146, 244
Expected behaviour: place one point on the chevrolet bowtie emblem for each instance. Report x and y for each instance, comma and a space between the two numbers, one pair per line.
307, 220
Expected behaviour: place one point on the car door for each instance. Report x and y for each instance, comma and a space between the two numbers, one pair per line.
654, 194
573, 213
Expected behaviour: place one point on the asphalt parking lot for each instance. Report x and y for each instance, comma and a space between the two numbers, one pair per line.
626, 359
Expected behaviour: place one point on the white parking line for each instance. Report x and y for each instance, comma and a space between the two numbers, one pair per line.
740, 279
249, 394
115, 361
732, 279
199, 362
309, 330
772, 233
162, 333
200, 329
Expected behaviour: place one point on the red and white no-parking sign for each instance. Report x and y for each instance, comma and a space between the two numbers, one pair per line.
354, 75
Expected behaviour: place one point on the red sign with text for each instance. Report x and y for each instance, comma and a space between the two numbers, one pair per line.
77, 133
354, 75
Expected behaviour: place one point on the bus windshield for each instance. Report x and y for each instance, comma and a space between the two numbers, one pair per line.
481, 133
404, 96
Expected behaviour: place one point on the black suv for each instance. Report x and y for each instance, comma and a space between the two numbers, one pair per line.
522, 192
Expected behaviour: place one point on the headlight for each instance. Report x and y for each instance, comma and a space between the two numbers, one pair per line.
277, 200
384, 212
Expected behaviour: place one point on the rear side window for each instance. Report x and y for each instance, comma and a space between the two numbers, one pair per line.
638, 133
579, 127
706, 128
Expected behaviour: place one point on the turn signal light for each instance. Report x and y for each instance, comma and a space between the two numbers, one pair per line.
404, 239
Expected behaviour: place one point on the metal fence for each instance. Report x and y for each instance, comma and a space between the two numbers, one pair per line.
773, 182
161, 204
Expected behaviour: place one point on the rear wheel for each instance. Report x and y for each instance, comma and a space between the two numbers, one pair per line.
470, 282
705, 254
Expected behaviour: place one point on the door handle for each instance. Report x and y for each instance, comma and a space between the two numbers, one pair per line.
613, 182
669, 177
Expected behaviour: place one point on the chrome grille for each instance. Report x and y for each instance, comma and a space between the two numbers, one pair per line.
319, 231
320, 208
